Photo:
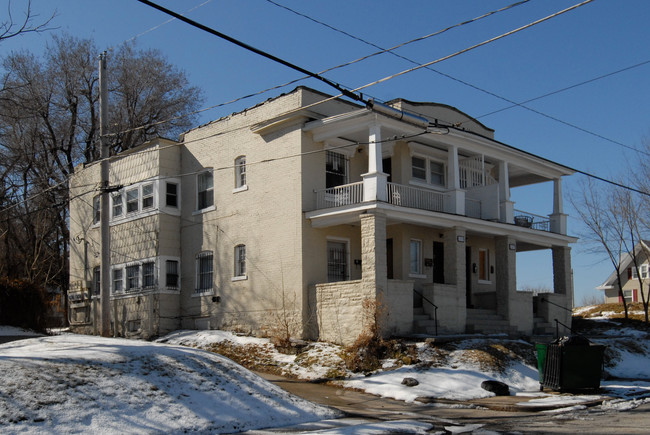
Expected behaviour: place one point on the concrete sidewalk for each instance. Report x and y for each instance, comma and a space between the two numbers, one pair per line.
360, 404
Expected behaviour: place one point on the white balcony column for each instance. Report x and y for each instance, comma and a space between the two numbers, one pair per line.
506, 207
375, 181
455, 199
558, 218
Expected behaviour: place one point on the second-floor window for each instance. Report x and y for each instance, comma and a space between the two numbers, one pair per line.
132, 198
148, 274
118, 280
147, 196
171, 274
204, 188
132, 277
240, 172
171, 195
428, 171
117, 204
336, 169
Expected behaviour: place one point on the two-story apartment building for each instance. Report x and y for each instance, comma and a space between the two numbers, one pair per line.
301, 212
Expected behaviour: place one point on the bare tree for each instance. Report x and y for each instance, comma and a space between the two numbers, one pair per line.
49, 125
606, 226
11, 27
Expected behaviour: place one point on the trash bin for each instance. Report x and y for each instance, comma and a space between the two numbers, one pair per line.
571, 363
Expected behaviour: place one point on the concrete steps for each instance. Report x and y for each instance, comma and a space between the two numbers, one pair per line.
487, 322
423, 323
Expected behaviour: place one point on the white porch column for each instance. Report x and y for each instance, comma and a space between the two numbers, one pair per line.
558, 218
455, 199
375, 181
506, 207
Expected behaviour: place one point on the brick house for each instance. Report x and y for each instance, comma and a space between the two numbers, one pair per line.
297, 213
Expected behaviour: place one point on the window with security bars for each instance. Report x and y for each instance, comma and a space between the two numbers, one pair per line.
337, 261
118, 280
204, 271
132, 277
336, 169
97, 280
171, 274
148, 275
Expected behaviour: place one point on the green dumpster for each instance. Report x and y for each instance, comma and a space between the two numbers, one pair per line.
571, 363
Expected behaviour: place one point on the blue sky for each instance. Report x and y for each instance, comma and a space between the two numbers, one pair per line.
599, 38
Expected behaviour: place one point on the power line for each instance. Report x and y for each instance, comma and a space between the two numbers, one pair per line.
254, 50
513, 103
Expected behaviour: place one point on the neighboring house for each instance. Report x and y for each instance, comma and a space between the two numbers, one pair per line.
304, 213
631, 279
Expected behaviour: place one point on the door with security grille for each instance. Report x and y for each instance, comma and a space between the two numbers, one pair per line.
337, 261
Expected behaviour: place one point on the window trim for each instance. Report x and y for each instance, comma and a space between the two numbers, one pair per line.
114, 280
114, 204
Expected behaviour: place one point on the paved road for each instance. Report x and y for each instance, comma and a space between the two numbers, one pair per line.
592, 420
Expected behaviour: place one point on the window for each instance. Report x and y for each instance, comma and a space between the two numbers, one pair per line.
132, 200
171, 274
415, 267
336, 169
97, 280
337, 261
428, 171
118, 280
147, 196
240, 260
419, 168
240, 172
148, 274
205, 197
483, 265
96, 209
627, 294
117, 204
171, 195
204, 269
132, 277
644, 271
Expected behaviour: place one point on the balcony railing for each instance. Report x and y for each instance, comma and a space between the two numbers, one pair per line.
407, 196
340, 195
533, 221
423, 199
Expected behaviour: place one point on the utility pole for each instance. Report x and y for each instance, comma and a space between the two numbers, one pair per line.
105, 268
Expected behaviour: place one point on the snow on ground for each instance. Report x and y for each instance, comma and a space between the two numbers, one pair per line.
16, 332
85, 384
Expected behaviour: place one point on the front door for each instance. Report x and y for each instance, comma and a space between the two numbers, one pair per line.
438, 263
337, 261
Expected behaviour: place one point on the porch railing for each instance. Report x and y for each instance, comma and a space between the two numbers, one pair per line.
407, 196
340, 195
532, 221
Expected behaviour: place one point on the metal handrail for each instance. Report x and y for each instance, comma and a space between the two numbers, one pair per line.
435, 309
557, 328
553, 303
